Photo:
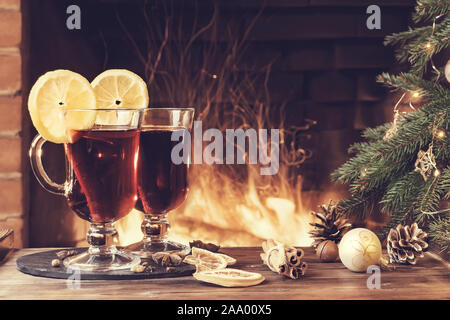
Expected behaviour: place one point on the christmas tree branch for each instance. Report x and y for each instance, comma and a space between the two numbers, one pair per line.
440, 233
429, 9
403, 168
419, 45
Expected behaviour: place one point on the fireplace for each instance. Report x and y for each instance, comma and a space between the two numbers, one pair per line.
305, 67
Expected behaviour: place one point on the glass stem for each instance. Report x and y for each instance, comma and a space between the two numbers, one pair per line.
101, 239
155, 228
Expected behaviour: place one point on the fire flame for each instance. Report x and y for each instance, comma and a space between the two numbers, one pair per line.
223, 214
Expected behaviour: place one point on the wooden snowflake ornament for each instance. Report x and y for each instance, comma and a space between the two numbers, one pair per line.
425, 162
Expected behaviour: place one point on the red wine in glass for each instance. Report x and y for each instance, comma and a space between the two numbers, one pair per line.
101, 180
104, 187
162, 185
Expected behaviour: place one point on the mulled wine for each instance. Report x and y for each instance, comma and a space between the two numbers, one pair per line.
104, 186
162, 185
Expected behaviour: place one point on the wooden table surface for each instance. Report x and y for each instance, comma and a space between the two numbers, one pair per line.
430, 279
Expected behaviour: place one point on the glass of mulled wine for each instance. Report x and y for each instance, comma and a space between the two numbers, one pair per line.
101, 180
164, 156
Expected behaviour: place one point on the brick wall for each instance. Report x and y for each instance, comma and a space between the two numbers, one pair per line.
12, 206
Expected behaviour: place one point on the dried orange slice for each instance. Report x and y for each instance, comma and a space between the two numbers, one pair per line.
230, 277
205, 260
230, 260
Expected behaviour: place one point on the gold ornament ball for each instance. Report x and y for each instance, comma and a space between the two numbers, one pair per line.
359, 249
327, 251
447, 71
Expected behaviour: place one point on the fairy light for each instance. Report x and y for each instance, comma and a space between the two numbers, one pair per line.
440, 134
415, 94
436, 173
415, 97
363, 172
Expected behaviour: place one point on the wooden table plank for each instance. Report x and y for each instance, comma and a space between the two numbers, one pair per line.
429, 279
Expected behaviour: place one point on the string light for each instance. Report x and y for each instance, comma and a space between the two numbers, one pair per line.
363, 172
440, 134
436, 70
392, 131
435, 212
436, 173
415, 94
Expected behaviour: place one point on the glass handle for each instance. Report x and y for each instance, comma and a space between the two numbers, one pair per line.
35, 154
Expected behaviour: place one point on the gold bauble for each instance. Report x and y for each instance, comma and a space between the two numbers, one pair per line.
359, 249
447, 71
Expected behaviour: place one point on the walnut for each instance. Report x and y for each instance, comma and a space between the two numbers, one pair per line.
169, 258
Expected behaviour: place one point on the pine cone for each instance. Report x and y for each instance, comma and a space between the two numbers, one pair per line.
329, 227
406, 243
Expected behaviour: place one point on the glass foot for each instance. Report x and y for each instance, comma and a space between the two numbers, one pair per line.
155, 238
114, 260
145, 249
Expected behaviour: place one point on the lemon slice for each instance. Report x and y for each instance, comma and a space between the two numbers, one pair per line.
55, 92
120, 88
205, 260
230, 277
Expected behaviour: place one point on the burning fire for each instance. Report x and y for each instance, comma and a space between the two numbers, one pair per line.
226, 204
217, 211
237, 206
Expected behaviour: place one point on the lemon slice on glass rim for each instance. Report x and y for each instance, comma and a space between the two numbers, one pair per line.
52, 94
120, 88
116, 89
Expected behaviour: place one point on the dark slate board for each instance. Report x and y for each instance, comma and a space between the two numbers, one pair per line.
39, 264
